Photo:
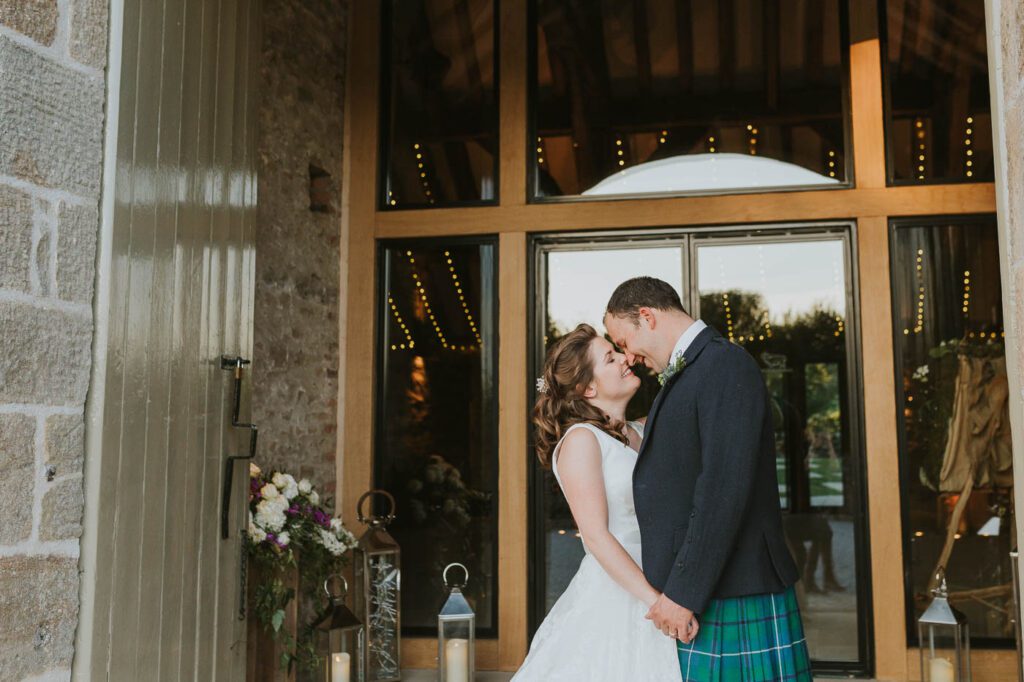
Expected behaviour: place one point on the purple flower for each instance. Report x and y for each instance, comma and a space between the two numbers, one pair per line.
321, 518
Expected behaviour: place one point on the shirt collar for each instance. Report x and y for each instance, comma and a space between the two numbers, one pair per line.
687, 338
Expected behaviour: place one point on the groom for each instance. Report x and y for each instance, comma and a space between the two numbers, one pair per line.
706, 496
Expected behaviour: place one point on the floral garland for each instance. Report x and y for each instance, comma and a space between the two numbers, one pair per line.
287, 522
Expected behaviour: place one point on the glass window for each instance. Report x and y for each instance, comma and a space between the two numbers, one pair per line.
957, 474
672, 97
436, 444
579, 280
785, 302
938, 123
785, 298
439, 116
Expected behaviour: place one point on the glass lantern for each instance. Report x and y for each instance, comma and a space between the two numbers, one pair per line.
944, 639
456, 633
378, 591
339, 639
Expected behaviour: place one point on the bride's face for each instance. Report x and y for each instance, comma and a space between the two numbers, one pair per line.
613, 379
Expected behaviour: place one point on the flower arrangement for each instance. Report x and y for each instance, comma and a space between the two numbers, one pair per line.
287, 521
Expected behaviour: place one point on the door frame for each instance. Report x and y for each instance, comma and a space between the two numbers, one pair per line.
689, 239
868, 203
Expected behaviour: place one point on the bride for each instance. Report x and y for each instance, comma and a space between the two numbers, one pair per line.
596, 630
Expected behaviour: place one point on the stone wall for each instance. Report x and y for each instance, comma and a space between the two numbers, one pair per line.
295, 363
52, 60
1005, 24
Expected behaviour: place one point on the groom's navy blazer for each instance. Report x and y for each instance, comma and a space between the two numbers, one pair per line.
705, 485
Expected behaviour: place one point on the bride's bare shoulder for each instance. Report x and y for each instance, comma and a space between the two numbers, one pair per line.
580, 438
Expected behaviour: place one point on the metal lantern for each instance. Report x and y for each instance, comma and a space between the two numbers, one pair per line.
945, 640
339, 639
456, 633
378, 593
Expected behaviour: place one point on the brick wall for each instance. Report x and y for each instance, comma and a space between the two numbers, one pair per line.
295, 356
52, 59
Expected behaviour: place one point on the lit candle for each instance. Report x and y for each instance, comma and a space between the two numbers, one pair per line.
941, 670
340, 667
456, 660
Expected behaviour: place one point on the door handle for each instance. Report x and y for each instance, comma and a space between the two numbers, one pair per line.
236, 364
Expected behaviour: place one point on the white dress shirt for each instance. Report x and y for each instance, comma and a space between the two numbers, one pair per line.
686, 339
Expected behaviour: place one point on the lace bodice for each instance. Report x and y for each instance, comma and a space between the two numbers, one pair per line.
617, 462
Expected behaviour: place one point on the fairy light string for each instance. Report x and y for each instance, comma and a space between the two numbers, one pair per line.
421, 290
409, 343
421, 161
968, 151
462, 299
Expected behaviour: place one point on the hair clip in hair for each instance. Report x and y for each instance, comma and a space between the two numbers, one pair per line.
542, 385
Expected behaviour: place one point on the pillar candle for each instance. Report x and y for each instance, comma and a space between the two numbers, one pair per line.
941, 670
340, 667
456, 660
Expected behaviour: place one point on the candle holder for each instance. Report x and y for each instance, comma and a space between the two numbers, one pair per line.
456, 633
378, 592
339, 639
944, 638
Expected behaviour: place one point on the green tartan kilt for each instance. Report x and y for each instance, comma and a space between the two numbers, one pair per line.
748, 639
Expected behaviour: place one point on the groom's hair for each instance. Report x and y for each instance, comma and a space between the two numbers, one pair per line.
641, 292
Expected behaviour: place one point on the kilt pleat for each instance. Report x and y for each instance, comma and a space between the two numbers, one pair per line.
748, 639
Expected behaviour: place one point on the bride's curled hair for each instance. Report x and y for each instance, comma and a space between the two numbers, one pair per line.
568, 371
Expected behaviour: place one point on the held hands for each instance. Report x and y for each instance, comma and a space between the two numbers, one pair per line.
677, 622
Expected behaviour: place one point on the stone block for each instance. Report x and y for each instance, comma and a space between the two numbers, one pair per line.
17, 477
77, 230
36, 19
62, 510
1013, 221
89, 24
1012, 30
51, 122
46, 357
65, 443
39, 603
15, 239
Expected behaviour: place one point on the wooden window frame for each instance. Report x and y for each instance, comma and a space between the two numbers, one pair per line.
869, 202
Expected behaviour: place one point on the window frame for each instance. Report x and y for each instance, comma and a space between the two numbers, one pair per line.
384, 108
531, 120
382, 319
905, 474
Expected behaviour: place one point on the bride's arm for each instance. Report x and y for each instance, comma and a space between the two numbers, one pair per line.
579, 467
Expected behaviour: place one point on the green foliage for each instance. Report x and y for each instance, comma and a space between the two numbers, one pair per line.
290, 530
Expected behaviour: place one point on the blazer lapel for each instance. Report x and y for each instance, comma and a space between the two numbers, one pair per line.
690, 356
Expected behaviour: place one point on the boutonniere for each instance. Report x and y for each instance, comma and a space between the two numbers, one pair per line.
674, 367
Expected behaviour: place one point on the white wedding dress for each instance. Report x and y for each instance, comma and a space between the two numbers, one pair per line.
596, 631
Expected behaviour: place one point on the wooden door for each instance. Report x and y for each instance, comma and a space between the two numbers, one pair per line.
160, 587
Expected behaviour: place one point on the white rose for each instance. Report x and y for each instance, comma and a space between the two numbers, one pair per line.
279, 480
269, 491
305, 487
254, 470
270, 514
290, 490
314, 497
283, 538
256, 534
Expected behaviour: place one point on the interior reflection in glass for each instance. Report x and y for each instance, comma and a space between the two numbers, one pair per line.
785, 303
665, 96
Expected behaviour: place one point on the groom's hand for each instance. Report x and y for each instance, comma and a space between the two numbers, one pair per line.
677, 622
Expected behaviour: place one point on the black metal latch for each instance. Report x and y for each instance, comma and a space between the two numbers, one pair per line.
236, 364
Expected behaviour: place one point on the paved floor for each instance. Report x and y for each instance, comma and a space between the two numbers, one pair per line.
431, 676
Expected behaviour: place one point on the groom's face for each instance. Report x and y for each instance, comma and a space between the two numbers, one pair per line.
630, 337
